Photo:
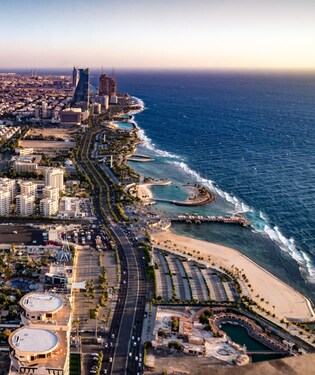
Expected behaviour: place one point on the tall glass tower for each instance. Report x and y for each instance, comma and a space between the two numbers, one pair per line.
81, 97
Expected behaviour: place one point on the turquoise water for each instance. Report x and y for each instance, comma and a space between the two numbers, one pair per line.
124, 125
240, 336
248, 138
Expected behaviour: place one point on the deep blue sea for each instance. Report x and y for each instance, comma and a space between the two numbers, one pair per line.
251, 139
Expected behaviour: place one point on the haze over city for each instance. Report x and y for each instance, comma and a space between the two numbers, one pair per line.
203, 34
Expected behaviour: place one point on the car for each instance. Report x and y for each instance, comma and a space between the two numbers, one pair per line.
134, 344
110, 359
105, 371
136, 358
92, 371
130, 354
95, 354
132, 337
113, 335
138, 339
106, 345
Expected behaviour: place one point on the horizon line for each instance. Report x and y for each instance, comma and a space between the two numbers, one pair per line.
171, 69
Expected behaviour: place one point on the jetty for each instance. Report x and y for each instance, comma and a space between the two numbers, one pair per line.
140, 158
198, 219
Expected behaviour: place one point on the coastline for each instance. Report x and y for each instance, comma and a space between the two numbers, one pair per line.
282, 299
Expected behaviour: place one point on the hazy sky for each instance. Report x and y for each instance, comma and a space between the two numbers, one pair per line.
206, 34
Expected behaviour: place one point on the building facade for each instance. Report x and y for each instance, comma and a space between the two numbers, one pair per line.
42, 345
107, 85
25, 204
28, 188
81, 97
54, 177
5, 202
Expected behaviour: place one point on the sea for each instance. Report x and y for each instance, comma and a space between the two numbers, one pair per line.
249, 138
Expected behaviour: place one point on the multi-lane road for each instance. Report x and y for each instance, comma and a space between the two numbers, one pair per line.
123, 352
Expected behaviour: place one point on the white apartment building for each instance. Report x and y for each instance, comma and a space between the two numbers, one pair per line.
5, 201
48, 207
54, 177
25, 204
51, 192
28, 188
25, 166
24, 151
6, 184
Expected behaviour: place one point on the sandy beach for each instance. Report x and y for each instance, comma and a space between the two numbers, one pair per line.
282, 300
144, 192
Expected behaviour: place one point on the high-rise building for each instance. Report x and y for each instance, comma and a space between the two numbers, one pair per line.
54, 177
48, 207
75, 77
107, 85
28, 188
6, 184
5, 201
25, 204
51, 192
81, 97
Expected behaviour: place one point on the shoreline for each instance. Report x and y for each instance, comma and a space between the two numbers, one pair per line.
292, 310
283, 300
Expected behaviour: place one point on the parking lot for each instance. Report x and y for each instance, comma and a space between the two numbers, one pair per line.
90, 332
191, 281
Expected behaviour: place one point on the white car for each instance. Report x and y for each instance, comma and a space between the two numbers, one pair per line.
110, 359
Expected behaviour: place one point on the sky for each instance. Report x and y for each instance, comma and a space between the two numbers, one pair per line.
158, 34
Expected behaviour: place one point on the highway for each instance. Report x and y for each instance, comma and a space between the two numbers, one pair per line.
124, 346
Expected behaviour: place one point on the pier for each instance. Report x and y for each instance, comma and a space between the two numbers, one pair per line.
198, 219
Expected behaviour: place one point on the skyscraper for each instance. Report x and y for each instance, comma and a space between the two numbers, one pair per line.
75, 77
107, 85
81, 97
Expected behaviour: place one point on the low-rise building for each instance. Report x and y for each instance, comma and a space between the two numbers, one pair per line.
42, 345
71, 116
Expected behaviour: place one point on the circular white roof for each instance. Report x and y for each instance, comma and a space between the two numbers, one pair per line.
34, 340
41, 302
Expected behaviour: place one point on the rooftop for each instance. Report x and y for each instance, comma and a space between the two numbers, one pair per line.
41, 302
33, 340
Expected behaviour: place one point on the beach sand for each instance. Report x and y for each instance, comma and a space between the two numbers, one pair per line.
283, 300
144, 192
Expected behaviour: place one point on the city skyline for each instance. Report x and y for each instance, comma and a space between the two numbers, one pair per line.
233, 35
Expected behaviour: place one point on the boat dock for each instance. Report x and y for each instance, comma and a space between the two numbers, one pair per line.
198, 219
